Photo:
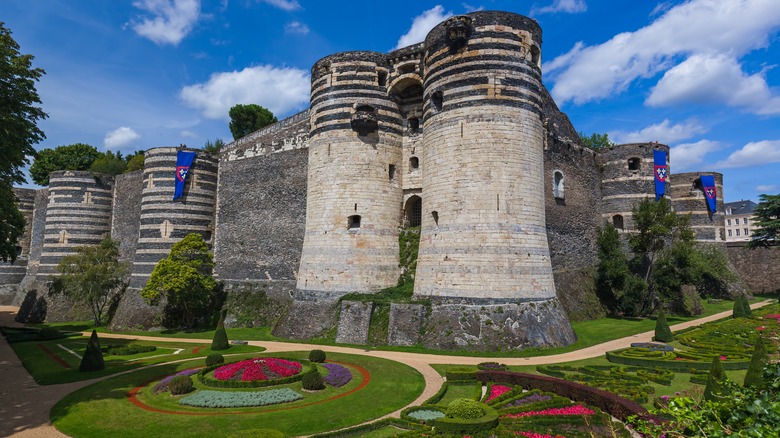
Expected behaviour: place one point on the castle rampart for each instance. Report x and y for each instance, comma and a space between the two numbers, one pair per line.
688, 198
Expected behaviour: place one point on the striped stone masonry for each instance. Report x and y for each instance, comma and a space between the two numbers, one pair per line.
165, 221
688, 198
78, 214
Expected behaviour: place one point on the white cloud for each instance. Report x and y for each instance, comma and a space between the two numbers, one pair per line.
697, 27
171, 20
421, 25
120, 137
568, 6
754, 153
684, 156
663, 132
767, 188
281, 90
287, 5
188, 134
470, 8
296, 27
713, 79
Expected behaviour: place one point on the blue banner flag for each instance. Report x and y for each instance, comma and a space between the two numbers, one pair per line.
710, 192
661, 171
184, 160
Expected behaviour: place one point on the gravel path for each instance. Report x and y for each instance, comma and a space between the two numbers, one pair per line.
25, 405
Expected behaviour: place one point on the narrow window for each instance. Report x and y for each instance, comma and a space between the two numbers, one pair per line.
697, 185
414, 163
634, 163
737, 231
18, 250
381, 78
63, 237
728, 222
535, 55
617, 221
353, 222
729, 233
744, 221
391, 171
414, 125
746, 232
558, 192
435, 215
437, 100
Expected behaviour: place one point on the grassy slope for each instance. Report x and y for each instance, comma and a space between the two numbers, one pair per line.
102, 410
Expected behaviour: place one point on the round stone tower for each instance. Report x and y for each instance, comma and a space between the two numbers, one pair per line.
164, 221
354, 193
78, 214
11, 274
688, 198
483, 239
627, 178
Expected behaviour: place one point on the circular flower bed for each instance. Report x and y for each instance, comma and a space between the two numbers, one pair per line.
259, 368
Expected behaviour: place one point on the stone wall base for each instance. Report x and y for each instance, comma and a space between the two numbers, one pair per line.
354, 321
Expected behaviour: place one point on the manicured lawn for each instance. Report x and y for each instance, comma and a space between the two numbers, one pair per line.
50, 362
102, 409
459, 390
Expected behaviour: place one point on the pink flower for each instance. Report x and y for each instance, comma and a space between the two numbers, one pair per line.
498, 391
537, 435
723, 358
570, 410
761, 328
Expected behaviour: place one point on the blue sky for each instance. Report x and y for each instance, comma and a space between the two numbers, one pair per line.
699, 75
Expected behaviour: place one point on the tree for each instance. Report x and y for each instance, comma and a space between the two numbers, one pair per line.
596, 140
93, 356
135, 162
738, 310
213, 148
77, 156
109, 163
767, 216
93, 276
246, 119
755, 372
714, 388
19, 131
184, 281
662, 331
220, 340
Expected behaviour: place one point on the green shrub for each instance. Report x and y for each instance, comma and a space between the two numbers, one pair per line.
313, 381
746, 306
462, 373
317, 356
473, 426
739, 308
465, 408
220, 341
662, 331
714, 380
180, 385
46, 333
214, 359
93, 356
491, 366
755, 372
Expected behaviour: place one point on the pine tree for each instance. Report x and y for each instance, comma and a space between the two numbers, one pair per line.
714, 381
220, 341
755, 372
93, 357
662, 331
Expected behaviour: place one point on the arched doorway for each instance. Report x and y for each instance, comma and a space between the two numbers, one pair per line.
413, 211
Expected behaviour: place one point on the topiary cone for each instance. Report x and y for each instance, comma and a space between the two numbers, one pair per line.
93, 356
739, 308
220, 341
746, 306
662, 331
714, 379
755, 372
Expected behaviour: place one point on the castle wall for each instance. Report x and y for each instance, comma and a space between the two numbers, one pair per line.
758, 268
126, 220
688, 198
11, 274
37, 231
483, 224
78, 214
623, 187
353, 205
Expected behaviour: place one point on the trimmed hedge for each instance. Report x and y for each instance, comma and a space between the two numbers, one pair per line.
130, 349
257, 433
214, 359
317, 356
207, 380
460, 374
180, 385
439, 395
468, 426
616, 406
313, 381
678, 366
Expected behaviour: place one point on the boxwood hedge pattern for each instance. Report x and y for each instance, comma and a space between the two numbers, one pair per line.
628, 382
240, 399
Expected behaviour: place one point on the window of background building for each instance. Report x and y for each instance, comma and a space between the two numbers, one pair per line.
747, 233
729, 233
728, 221
737, 231
744, 221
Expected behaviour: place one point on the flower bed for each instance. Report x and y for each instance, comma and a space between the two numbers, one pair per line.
569, 410
533, 398
338, 375
497, 391
162, 386
237, 399
268, 368
629, 382
426, 414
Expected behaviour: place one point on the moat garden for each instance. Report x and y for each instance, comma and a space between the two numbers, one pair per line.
168, 383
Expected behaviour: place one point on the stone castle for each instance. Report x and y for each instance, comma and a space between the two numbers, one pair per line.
456, 135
